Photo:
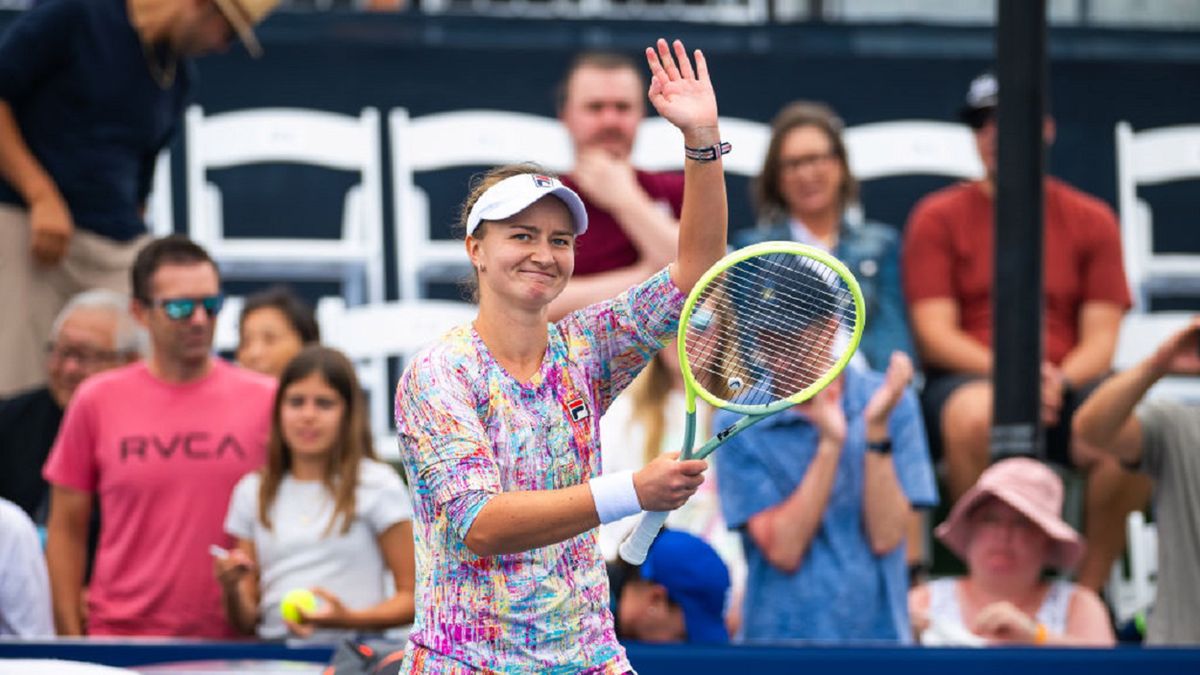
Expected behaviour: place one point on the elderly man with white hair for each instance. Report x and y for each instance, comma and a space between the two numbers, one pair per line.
94, 332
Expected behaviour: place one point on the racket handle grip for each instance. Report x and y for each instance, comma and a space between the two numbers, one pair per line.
637, 545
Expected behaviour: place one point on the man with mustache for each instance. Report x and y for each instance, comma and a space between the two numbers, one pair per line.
632, 215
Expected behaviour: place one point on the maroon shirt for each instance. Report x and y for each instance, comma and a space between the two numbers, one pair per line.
605, 246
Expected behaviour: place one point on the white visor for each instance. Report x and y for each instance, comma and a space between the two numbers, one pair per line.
515, 193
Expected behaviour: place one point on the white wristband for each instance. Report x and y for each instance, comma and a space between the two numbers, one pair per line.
615, 496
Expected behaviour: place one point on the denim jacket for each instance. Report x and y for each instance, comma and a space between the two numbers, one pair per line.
872, 252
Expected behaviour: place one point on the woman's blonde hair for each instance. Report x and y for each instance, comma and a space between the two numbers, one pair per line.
353, 444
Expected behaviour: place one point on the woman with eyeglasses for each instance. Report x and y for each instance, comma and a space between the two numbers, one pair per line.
322, 515
805, 193
499, 420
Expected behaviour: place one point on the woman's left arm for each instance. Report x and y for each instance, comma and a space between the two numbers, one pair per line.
886, 509
396, 546
685, 98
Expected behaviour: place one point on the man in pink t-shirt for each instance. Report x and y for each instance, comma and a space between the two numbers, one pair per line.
632, 215
161, 443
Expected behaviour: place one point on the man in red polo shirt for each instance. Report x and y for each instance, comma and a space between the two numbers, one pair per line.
948, 272
632, 215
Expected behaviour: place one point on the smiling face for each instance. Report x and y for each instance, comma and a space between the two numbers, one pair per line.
525, 260
84, 346
311, 415
268, 341
810, 174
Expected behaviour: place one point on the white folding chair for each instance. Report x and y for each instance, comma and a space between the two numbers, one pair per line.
160, 211
226, 336
912, 147
1133, 593
1153, 157
465, 138
286, 135
371, 334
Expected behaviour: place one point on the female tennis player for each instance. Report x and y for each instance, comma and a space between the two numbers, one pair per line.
499, 421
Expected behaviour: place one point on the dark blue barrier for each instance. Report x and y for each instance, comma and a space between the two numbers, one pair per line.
694, 660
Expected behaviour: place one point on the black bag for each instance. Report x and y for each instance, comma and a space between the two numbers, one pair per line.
366, 657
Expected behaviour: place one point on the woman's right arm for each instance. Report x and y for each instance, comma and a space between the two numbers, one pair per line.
685, 97
511, 522
237, 575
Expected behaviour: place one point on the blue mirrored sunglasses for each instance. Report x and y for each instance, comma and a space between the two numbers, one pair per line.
180, 309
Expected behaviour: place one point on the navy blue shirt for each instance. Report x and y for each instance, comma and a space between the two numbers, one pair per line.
77, 79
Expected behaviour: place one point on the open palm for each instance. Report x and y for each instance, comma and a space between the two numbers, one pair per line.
681, 94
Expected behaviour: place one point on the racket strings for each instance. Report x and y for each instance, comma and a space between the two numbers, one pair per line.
768, 327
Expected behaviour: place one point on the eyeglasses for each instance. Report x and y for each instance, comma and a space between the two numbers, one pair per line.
181, 309
82, 356
806, 161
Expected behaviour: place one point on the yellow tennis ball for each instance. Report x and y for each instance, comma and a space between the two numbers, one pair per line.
295, 600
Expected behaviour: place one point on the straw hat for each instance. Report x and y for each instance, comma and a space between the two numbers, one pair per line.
1028, 486
244, 15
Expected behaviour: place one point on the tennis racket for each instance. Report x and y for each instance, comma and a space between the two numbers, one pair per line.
766, 327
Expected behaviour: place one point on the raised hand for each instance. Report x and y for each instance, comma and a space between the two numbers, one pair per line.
885, 398
1180, 354
825, 413
682, 95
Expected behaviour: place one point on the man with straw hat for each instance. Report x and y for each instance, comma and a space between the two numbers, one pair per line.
90, 92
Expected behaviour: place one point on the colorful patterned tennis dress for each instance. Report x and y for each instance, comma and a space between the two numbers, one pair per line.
470, 431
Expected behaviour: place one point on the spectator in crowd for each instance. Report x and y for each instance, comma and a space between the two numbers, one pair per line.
802, 194
645, 422
161, 443
632, 214
1008, 530
77, 159
677, 594
823, 494
322, 514
1162, 439
24, 586
93, 333
947, 265
275, 325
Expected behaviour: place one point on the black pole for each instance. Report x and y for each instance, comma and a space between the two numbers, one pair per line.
1017, 288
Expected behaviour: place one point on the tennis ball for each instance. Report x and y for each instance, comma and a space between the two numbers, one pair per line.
295, 600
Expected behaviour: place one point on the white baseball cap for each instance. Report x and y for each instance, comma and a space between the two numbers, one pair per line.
515, 193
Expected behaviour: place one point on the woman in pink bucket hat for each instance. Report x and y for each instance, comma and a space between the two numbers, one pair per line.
1008, 530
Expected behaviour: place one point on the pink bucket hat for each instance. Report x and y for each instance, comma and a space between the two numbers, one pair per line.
1028, 486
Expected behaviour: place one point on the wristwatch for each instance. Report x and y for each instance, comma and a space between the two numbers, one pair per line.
883, 447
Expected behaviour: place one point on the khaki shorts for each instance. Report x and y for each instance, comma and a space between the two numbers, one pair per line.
32, 294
